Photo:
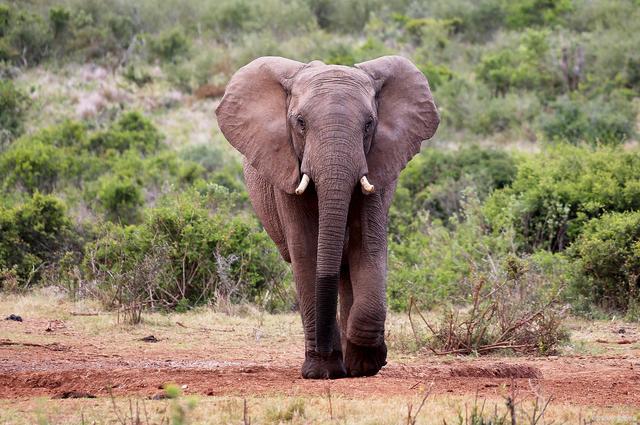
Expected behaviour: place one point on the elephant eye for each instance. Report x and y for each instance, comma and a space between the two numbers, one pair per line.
368, 125
301, 123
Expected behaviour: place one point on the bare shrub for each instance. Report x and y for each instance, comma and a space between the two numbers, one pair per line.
130, 290
508, 310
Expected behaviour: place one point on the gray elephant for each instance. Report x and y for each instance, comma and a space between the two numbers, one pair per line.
323, 147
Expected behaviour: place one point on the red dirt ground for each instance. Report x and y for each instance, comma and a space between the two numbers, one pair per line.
97, 366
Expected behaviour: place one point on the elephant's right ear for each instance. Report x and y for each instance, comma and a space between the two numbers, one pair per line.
253, 117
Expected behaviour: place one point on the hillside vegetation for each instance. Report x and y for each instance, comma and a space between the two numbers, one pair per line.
117, 184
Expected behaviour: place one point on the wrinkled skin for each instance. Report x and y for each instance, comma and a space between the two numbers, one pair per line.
334, 124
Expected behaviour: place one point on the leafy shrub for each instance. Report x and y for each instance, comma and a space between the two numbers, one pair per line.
33, 165
41, 161
603, 120
33, 234
131, 131
209, 157
29, 37
608, 259
201, 256
434, 182
520, 66
558, 190
170, 45
431, 259
511, 112
13, 105
59, 18
121, 197
526, 13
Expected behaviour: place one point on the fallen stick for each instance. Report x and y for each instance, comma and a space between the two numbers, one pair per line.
182, 325
74, 313
621, 342
53, 347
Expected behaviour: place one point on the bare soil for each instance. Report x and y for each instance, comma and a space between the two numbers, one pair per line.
55, 360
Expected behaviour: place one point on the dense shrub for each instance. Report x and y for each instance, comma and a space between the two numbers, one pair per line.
28, 35
429, 261
605, 120
608, 259
435, 181
120, 197
526, 13
521, 65
33, 234
170, 45
41, 161
32, 165
558, 190
13, 105
131, 131
201, 256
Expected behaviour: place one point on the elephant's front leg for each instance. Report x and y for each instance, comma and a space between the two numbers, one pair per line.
366, 351
301, 232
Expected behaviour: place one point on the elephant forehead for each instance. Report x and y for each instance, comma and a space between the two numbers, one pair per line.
332, 79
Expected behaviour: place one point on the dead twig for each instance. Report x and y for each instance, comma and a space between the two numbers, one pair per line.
412, 418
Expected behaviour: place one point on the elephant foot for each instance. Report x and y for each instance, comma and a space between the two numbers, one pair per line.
364, 361
321, 366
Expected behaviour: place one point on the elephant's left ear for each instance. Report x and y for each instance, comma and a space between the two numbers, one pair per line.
406, 116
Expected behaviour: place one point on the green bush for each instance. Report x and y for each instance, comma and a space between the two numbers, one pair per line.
32, 235
131, 131
435, 181
121, 197
29, 36
558, 190
526, 13
13, 105
608, 259
33, 165
521, 65
604, 120
170, 45
431, 259
200, 256
41, 161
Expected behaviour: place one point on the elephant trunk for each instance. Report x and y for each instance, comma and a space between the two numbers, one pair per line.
333, 205
336, 177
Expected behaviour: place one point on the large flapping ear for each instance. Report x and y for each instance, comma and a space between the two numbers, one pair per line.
253, 117
406, 116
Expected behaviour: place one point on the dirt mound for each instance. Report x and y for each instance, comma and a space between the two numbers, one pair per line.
497, 370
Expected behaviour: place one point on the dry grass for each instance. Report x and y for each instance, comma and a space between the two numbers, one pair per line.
295, 410
91, 94
181, 331
278, 334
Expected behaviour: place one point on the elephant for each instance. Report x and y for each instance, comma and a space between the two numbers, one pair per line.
323, 147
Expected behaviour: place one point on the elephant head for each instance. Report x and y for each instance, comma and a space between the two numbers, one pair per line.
336, 126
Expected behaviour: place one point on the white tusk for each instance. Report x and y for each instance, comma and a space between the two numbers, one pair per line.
303, 185
366, 186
